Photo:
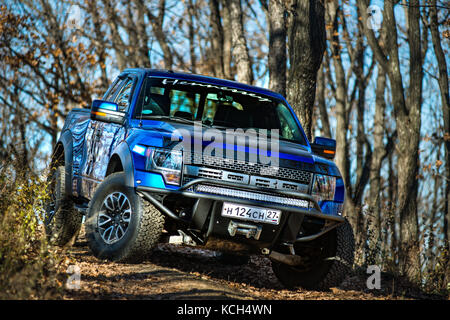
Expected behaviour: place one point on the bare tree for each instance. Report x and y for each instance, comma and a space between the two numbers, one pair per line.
227, 40
113, 20
408, 119
240, 50
445, 100
380, 152
277, 46
217, 39
98, 38
321, 103
345, 98
191, 27
157, 23
306, 45
142, 33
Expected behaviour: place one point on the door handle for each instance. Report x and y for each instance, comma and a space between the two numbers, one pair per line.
98, 134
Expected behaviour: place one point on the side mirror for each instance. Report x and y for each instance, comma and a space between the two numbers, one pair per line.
106, 111
324, 147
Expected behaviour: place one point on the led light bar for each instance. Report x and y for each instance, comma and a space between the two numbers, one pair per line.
241, 194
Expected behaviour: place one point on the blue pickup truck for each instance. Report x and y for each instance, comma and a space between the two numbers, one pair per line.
168, 157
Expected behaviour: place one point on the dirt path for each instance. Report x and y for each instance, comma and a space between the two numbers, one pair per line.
187, 273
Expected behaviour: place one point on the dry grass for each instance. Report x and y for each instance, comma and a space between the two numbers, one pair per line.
28, 264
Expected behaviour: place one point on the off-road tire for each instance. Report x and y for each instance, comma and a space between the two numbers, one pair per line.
334, 265
142, 234
64, 225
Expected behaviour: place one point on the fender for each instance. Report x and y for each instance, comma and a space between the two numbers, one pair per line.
124, 153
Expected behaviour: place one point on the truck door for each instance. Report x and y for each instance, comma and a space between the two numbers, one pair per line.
109, 135
87, 182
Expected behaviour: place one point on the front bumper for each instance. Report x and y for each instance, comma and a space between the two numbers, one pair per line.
206, 214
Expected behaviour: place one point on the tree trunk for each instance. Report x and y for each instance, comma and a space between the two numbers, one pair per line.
342, 159
374, 219
325, 130
157, 27
191, 12
277, 46
445, 100
227, 41
99, 44
306, 45
133, 39
240, 50
430, 233
409, 136
143, 50
116, 40
392, 195
408, 123
360, 108
352, 209
217, 39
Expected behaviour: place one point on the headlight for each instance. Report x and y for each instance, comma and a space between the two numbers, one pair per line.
324, 187
167, 162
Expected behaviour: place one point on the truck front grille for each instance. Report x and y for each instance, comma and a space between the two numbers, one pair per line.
250, 168
194, 172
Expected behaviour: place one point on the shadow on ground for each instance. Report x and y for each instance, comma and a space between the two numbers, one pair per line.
173, 272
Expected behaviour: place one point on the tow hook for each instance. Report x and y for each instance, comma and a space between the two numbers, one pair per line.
182, 238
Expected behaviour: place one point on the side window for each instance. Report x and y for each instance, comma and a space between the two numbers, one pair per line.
154, 101
123, 97
288, 126
113, 90
160, 100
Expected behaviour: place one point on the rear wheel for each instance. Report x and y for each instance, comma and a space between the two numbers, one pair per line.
62, 220
327, 261
120, 225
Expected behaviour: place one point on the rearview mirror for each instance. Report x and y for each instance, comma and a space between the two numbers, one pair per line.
324, 147
106, 111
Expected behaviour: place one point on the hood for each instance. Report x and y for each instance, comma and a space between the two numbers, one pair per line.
228, 144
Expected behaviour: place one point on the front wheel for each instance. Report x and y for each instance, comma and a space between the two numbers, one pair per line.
327, 261
120, 226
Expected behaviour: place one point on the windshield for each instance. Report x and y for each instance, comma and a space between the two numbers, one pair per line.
216, 106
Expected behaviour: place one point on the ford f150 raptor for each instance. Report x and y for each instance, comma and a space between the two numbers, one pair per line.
199, 161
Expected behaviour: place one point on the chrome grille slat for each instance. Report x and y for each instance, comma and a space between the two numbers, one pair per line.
209, 173
194, 172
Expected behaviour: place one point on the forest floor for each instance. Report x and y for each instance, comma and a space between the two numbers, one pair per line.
187, 273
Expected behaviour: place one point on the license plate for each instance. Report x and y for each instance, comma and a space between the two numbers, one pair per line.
257, 214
